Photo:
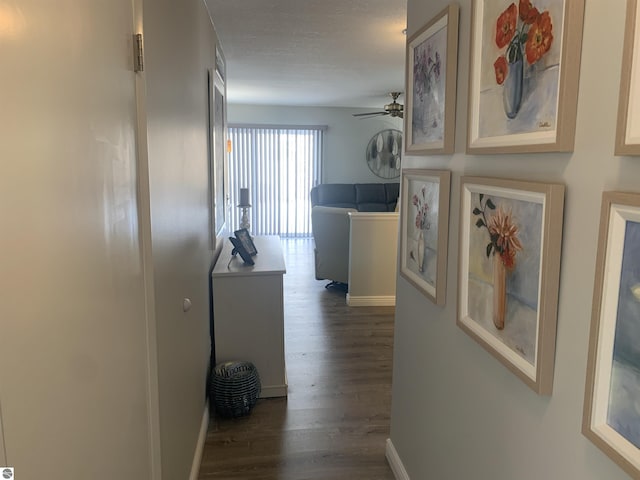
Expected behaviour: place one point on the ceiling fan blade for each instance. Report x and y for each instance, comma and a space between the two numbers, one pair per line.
369, 114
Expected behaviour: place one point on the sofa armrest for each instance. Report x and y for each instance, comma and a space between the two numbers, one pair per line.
330, 227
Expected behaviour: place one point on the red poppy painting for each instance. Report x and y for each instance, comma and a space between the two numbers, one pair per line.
523, 52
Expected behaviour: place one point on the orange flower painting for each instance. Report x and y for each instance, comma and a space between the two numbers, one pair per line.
500, 66
517, 51
539, 38
506, 26
503, 231
524, 29
523, 35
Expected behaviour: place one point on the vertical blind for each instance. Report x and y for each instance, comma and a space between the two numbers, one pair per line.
278, 165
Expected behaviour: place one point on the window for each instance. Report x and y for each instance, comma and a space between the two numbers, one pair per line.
278, 165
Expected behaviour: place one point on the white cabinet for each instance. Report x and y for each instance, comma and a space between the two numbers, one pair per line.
248, 312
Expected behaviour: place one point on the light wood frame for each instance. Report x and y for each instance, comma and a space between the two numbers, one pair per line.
542, 205
549, 138
211, 182
628, 142
444, 141
219, 149
428, 273
609, 287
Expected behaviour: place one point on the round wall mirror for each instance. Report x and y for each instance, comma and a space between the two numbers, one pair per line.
384, 153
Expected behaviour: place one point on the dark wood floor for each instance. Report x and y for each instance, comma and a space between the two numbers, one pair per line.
335, 421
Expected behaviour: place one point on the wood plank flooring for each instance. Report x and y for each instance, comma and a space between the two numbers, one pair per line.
335, 421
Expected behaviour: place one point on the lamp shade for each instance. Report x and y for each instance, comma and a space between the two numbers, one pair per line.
244, 197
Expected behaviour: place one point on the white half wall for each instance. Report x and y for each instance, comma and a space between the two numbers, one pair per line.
457, 412
345, 140
373, 246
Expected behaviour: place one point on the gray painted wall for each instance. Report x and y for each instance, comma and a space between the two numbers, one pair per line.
179, 49
457, 412
345, 141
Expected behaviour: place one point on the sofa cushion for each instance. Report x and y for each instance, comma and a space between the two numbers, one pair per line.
393, 192
370, 196
365, 197
336, 195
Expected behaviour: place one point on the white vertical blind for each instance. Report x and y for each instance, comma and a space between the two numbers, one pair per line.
278, 165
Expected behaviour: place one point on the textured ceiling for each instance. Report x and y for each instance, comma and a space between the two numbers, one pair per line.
312, 52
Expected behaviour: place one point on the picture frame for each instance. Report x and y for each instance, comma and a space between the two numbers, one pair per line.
509, 272
523, 90
424, 234
431, 86
210, 162
239, 248
610, 418
219, 153
246, 240
220, 64
628, 127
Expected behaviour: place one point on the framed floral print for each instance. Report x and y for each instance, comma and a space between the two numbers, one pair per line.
432, 58
523, 81
424, 234
611, 418
628, 131
510, 240
219, 146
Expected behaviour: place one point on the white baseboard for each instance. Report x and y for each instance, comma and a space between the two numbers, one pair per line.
270, 391
197, 457
379, 301
394, 462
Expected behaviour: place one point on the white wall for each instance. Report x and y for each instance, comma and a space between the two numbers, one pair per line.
457, 412
100, 369
345, 140
73, 360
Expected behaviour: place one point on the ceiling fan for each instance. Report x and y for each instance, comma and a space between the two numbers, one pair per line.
394, 108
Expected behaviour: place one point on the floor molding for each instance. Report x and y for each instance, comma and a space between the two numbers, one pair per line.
379, 301
394, 462
270, 391
197, 457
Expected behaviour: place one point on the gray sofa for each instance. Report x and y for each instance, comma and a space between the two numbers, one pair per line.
330, 223
364, 197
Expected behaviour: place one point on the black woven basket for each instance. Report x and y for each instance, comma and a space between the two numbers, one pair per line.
235, 387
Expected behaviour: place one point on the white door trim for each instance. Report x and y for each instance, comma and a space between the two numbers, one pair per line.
144, 222
3, 451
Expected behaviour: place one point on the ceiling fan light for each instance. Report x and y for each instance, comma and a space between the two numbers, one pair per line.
394, 108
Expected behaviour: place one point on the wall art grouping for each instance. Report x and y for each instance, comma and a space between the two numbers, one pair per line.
508, 287
523, 81
523, 93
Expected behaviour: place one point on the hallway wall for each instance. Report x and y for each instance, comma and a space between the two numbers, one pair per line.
457, 412
101, 371
73, 360
179, 49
